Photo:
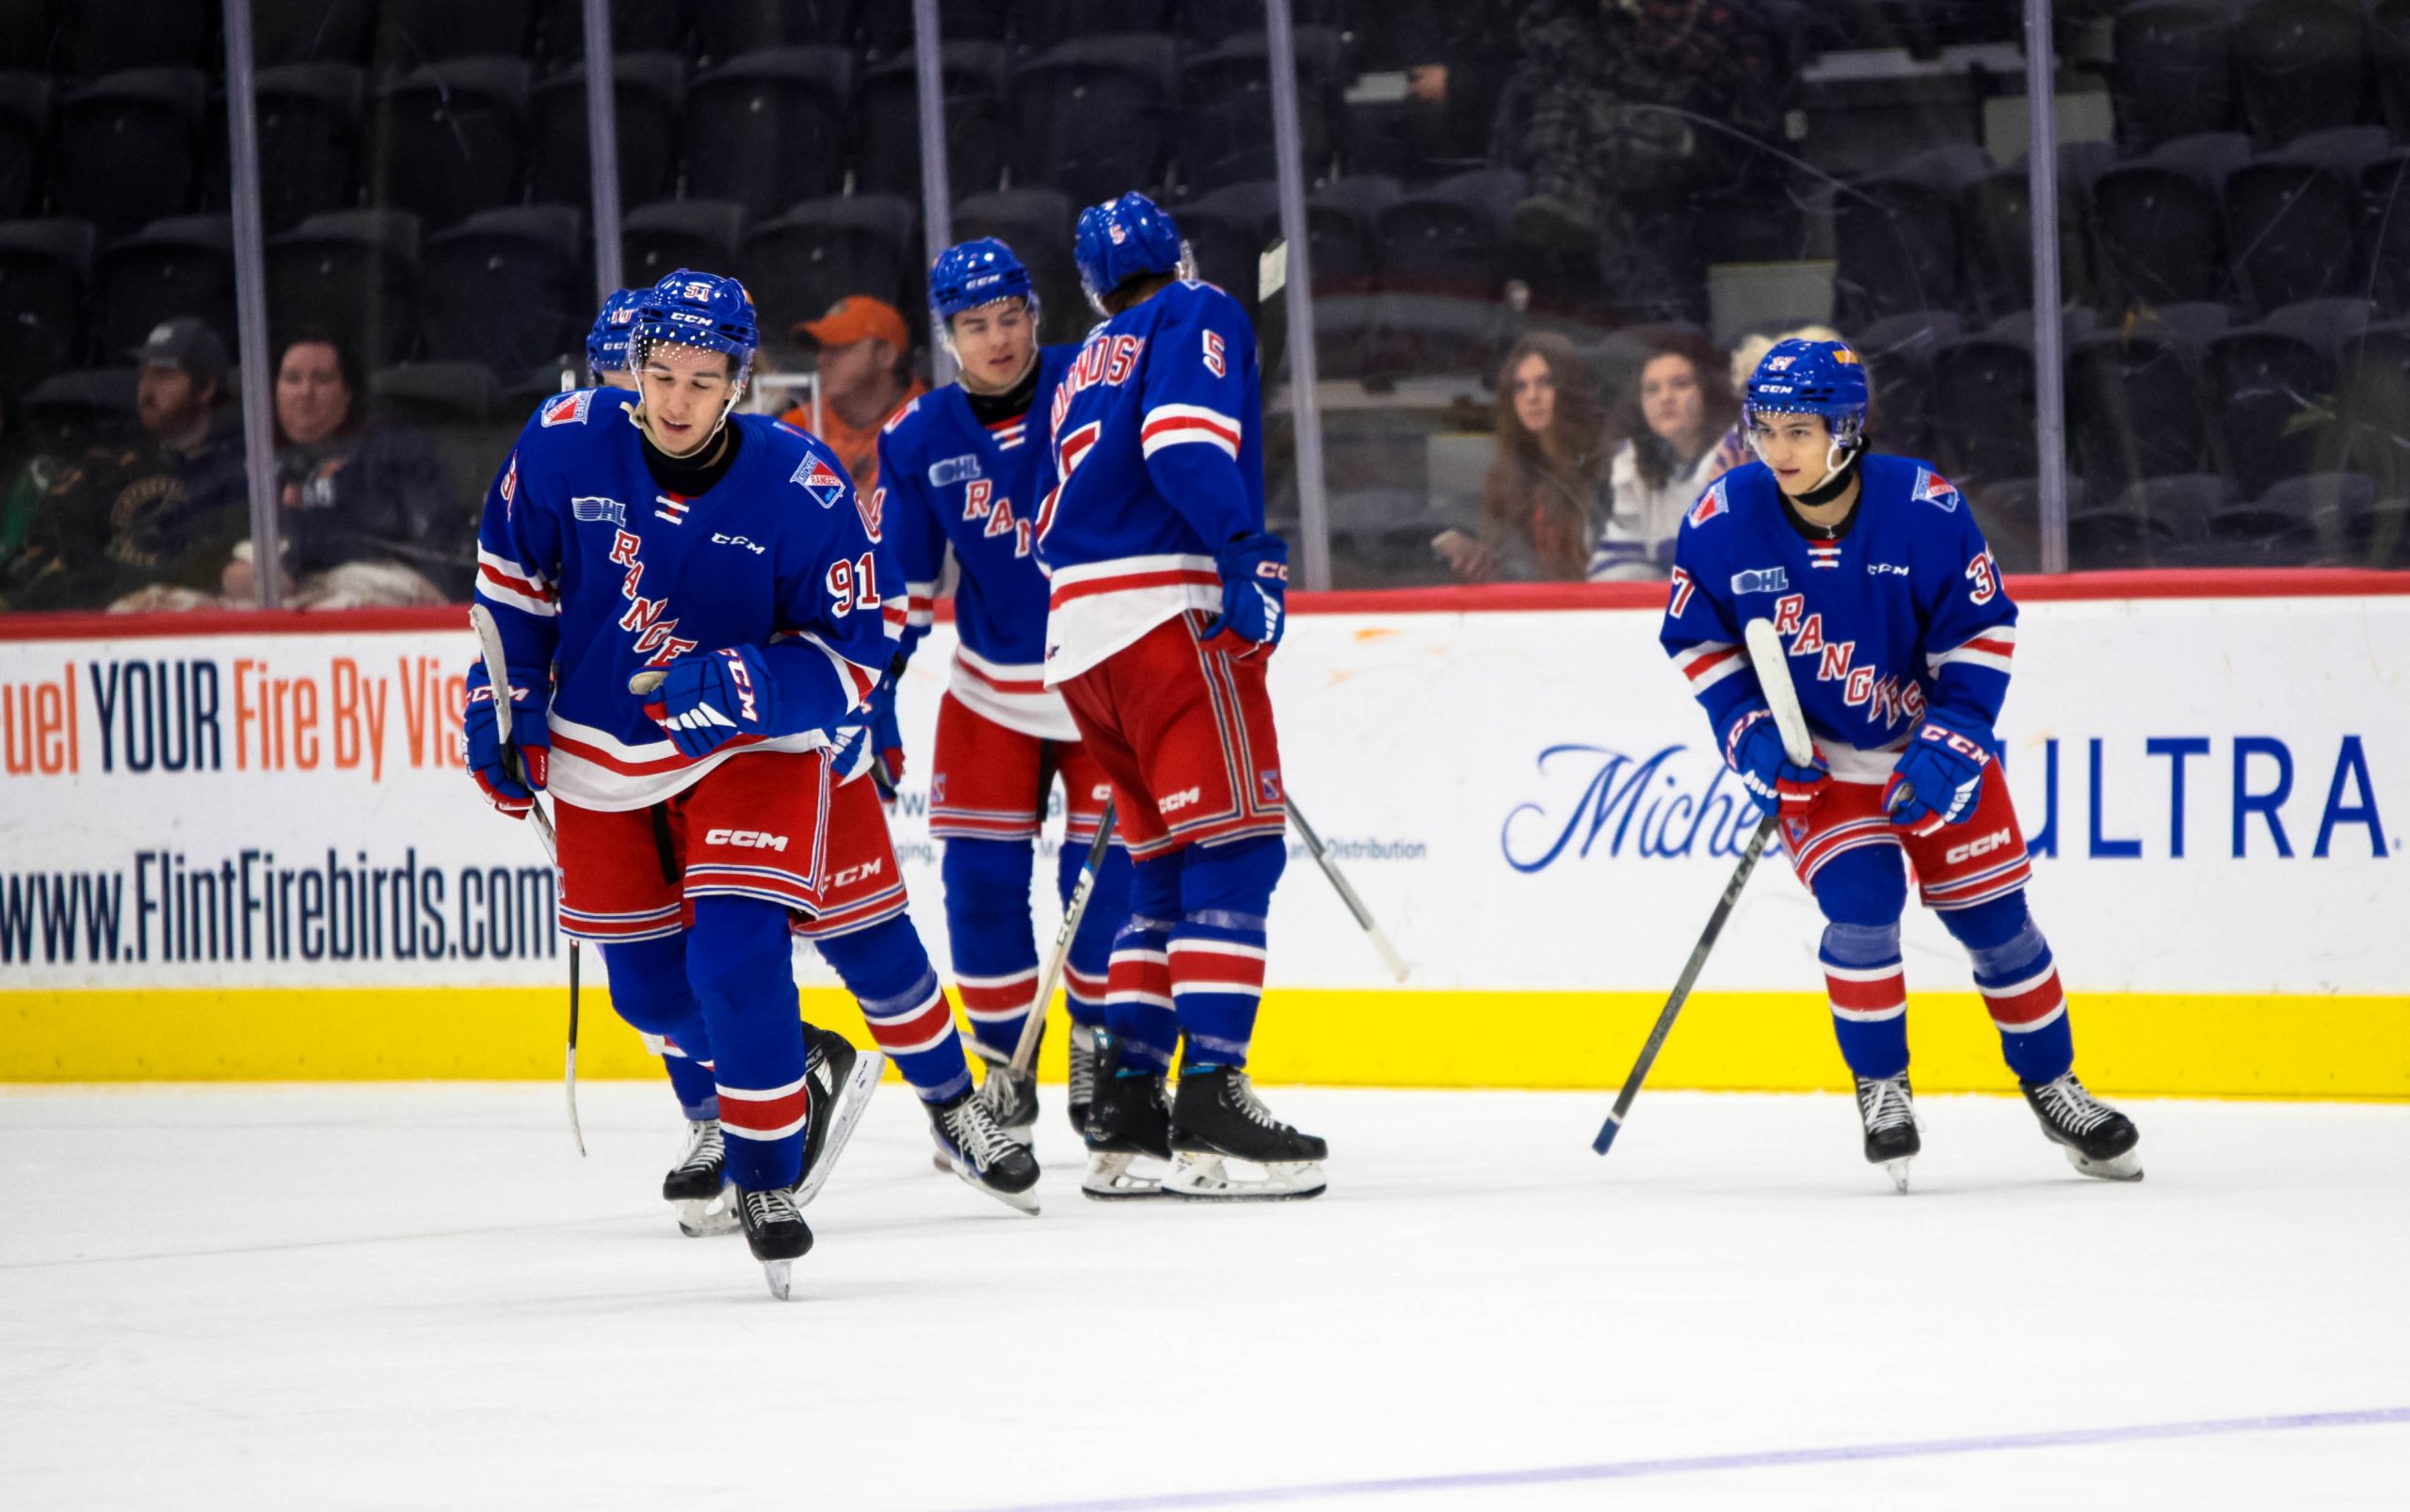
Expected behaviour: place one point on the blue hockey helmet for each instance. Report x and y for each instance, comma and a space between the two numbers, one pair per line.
700, 309
1123, 239
1810, 377
607, 345
969, 274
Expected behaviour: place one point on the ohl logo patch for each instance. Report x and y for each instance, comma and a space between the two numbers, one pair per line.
822, 482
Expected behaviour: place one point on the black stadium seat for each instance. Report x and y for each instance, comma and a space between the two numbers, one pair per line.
310, 31
1039, 24
2304, 67
2389, 49
1898, 353
645, 93
1340, 221
1998, 225
507, 288
28, 30
2158, 523
2384, 231
1226, 108
453, 138
1897, 239
182, 265
661, 239
2157, 223
1449, 238
44, 266
1205, 24
24, 121
1037, 224
127, 150
101, 36
2134, 403
413, 32
727, 28
2293, 216
308, 117
2294, 522
637, 26
1093, 117
1980, 408
353, 272
887, 159
2270, 393
1227, 230
822, 251
887, 27
770, 129
2172, 71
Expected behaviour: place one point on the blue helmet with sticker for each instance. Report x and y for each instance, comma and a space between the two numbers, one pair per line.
1123, 239
700, 310
969, 274
1809, 377
607, 345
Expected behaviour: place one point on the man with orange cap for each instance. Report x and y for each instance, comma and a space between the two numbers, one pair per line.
865, 377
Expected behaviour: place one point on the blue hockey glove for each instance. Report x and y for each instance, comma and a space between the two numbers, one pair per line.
706, 701
509, 784
1255, 588
885, 739
1753, 749
1937, 779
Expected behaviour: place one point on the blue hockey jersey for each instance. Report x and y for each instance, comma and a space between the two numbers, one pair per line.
948, 482
591, 571
1904, 615
1158, 462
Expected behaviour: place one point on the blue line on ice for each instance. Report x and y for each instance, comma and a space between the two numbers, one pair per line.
1761, 1459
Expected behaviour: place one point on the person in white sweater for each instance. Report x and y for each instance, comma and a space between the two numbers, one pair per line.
1682, 437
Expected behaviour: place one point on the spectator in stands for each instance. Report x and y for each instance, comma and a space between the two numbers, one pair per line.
1540, 503
1602, 117
1459, 59
364, 505
140, 521
1682, 434
865, 377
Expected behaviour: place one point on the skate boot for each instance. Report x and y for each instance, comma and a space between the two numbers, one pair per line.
775, 1229
1084, 1074
841, 1079
2098, 1140
1887, 1109
1129, 1121
1011, 1100
976, 1148
698, 1186
1216, 1118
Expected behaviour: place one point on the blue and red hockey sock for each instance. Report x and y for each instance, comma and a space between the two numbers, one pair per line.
698, 1093
1869, 992
1217, 948
739, 967
1137, 999
2021, 985
648, 989
887, 970
989, 929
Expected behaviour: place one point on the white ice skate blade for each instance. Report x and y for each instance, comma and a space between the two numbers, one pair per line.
852, 1098
711, 1217
1898, 1171
1202, 1177
1116, 1176
780, 1274
2125, 1168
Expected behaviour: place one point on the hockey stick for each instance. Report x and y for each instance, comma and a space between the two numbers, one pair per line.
1347, 894
498, 683
1768, 659
1032, 1027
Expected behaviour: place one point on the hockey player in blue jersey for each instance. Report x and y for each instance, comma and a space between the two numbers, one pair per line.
1900, 635
1165, 599
958, 475
607, 345
656, 534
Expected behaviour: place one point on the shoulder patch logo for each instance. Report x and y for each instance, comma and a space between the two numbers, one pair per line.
1932, 488
569, 409
592, 507
1710, 504
822, 482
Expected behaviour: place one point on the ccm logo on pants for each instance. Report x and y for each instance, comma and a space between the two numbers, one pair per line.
1975, 847
756, 839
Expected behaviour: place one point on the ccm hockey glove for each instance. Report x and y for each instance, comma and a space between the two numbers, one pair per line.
706, 701
1938, 779
511, 787
1753, 749
1255, 588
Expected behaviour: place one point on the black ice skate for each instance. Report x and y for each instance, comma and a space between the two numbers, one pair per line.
1082, 1090
1887, 1109
697, 1185
775, 1229
1215, 1119
841, 1079
2098, 1140
976, 1148
1011, 1100
1129, 1122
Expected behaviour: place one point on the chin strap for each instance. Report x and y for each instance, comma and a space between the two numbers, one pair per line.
1838, 475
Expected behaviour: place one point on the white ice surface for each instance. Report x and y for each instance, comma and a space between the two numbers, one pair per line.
419, 1296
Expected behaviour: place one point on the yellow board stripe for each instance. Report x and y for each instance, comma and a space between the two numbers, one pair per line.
2267, 1046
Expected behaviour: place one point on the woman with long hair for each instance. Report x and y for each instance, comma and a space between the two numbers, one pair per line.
1680, 424
1541, 496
